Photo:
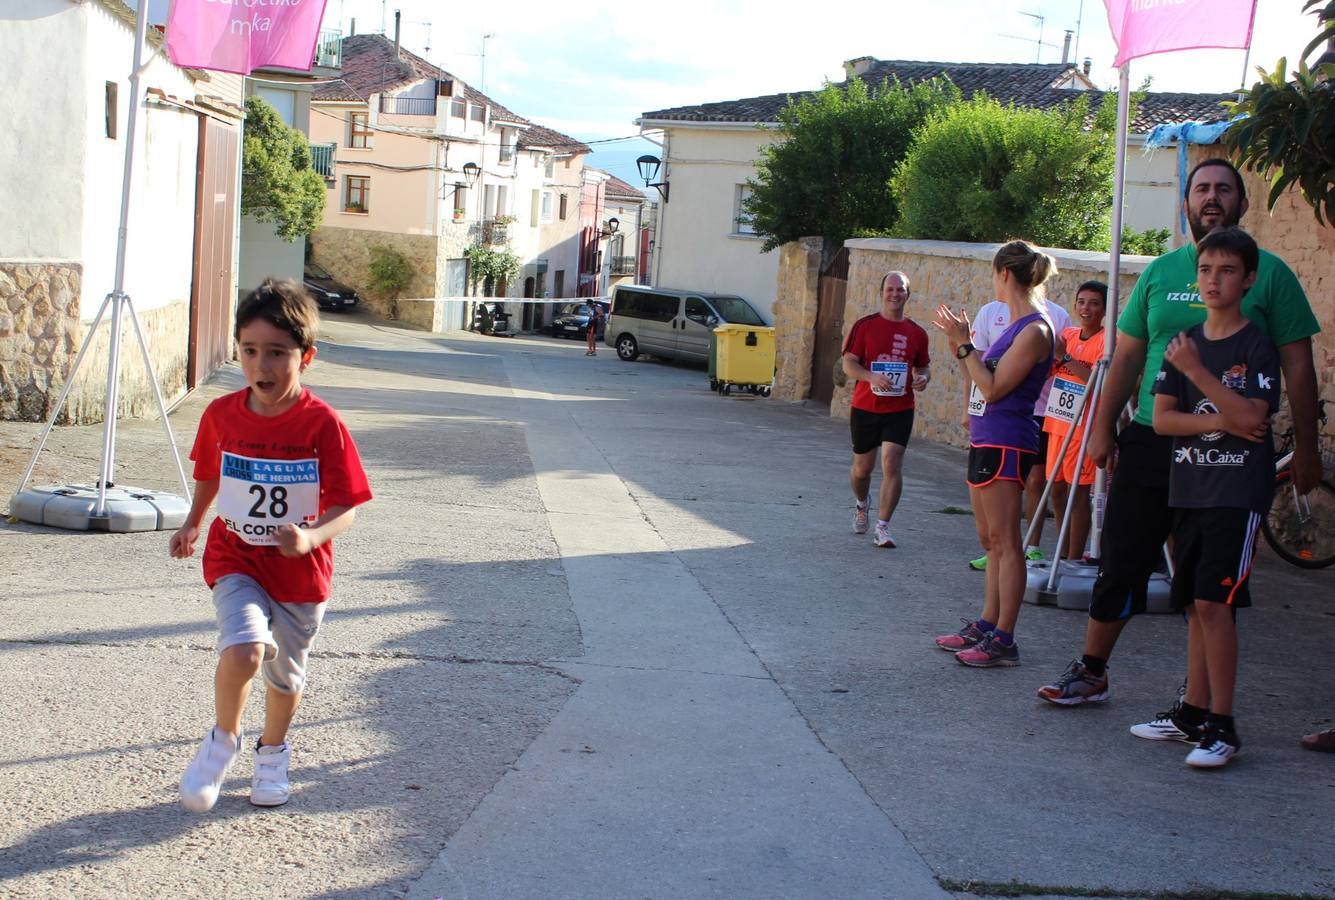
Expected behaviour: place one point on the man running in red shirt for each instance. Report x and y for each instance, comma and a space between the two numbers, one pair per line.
887, 355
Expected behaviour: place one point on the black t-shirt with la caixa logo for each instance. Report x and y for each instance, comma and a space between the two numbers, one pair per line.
1218, 469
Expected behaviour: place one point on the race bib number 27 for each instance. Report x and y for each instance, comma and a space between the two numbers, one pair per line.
898, 374
256, 496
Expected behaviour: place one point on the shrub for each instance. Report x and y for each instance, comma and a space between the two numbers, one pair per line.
389, 270
828, 174
985, 172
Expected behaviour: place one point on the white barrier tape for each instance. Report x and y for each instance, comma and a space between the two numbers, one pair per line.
534, 300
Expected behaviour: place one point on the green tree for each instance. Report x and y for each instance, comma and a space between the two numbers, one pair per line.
1288, 136
828, 174
278, 185
987, 172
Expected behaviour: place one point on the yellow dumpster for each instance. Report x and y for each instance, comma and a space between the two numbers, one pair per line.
745, 358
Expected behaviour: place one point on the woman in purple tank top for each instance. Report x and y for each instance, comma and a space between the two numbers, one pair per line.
1003, 443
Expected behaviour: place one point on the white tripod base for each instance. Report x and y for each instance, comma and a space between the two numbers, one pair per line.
1074, 587
74, 506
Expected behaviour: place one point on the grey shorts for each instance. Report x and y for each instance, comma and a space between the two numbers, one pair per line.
248, 615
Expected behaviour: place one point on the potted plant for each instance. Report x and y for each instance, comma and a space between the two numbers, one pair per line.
354, 208
459, 214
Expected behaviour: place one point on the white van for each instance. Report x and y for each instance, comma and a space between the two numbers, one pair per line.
671, 324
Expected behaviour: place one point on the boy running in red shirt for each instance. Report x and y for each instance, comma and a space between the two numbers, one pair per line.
287, 478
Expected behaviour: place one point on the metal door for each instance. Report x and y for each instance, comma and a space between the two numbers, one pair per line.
215, 222
833, 286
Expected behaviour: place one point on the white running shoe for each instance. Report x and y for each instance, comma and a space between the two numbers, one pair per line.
883, 538
1216, 749
860, 516
204, 776
268, 786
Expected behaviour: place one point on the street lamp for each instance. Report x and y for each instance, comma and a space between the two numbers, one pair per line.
609, 229
471, 172
648, 166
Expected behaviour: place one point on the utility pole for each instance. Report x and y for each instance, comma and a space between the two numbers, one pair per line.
483, 77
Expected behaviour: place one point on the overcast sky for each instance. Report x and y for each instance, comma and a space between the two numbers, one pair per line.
590, 68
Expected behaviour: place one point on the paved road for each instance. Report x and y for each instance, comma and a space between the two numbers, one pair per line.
606, 634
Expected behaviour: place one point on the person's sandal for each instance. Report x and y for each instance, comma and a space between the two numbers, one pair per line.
1322, 741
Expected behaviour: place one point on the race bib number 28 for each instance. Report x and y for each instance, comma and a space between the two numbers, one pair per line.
255, 496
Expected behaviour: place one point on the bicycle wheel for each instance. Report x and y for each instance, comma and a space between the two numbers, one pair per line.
1303, 531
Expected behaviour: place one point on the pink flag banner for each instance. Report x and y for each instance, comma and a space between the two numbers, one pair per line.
243, 35
1143, 27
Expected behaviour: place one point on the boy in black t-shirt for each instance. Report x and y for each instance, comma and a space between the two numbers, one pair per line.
1215, 394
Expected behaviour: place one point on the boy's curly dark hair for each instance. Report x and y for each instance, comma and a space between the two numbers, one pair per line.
285, 304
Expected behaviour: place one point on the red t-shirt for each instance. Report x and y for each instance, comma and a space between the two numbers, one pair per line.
319, 468
897, 348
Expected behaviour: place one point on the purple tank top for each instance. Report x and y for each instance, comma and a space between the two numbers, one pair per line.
1009, 421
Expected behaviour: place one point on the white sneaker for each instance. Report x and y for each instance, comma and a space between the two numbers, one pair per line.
1216, 749
268, 786
860, 516
883, 538
204, 776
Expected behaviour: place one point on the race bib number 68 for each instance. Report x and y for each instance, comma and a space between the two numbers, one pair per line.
255, 496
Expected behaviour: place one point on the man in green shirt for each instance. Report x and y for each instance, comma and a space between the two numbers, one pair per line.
1164, 303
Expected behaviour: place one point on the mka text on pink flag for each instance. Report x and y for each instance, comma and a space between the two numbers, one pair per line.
243, 35
1142, 27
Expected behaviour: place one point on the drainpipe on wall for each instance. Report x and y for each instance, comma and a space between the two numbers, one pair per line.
660, 229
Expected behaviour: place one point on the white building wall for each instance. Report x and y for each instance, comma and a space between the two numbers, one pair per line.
45, 203
160, 242
697, 247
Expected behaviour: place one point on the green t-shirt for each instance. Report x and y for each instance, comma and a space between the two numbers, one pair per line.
1166, 301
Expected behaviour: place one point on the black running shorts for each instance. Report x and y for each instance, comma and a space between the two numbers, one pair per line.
1213, 551
871, 430
1135, 525
989, 464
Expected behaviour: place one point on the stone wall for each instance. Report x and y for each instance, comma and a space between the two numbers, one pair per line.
960, 275
795, 317
346, 253
41, 332
167, 333
39, 335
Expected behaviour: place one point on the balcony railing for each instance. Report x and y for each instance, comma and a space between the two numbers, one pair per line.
408, 106
329, 49
322, 159
623, 265
507, 153
494, 232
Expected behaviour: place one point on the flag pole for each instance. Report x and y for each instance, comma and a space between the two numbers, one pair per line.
1114, 270
84, 506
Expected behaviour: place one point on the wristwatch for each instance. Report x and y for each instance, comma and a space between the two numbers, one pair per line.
1066, 357
964, 350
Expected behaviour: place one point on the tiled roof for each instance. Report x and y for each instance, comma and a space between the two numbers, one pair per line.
618, 188
369, 67
550, 139
1024, 84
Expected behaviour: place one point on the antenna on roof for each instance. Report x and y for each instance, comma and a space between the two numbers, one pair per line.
1038, 56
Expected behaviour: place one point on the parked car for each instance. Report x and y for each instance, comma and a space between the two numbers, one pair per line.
671, 324
572, 319
327, 291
